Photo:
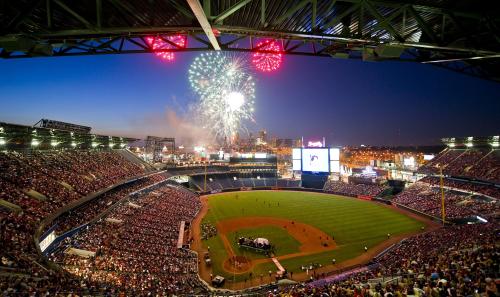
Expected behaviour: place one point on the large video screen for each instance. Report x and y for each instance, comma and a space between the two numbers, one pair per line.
296, 154
315, 160
296, 165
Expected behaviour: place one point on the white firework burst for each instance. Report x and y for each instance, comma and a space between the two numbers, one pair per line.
226, 91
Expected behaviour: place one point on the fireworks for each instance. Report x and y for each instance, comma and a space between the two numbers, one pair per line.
207, 72
159, 43
226, 93
271, 59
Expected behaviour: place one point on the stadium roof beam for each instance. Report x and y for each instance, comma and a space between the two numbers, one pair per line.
23, 15
337, 19
74, 14
432, 31
182, 9
199, 13
230, 11
382, 21
423, 25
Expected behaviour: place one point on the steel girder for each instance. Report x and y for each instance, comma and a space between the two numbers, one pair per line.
441, 32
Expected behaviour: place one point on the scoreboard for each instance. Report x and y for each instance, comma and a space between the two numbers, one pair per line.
316, 160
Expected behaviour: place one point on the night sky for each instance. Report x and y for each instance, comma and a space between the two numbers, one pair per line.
350, 102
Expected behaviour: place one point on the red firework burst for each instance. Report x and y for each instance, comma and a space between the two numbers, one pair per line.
159, 43
268, 57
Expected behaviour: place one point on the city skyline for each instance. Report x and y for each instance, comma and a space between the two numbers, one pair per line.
349, 102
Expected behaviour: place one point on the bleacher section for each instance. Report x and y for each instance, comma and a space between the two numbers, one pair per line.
353, 190
474, 163
426, 198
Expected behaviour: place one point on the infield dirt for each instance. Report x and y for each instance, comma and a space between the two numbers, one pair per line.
312, 241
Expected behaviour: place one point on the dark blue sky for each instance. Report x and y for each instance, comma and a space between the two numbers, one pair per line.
348, 101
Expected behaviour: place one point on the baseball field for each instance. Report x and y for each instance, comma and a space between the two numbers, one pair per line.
307, 230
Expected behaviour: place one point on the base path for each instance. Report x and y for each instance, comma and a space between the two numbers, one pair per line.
310, 238
278, 264
197, 245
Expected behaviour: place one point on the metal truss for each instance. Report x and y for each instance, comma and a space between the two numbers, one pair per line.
462, 37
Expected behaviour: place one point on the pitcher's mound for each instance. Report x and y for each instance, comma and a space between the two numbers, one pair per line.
237, 264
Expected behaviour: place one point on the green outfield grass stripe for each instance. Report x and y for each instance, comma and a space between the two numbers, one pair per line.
353, 223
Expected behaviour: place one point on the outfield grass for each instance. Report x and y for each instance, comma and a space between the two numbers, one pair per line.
284, 243
354, 223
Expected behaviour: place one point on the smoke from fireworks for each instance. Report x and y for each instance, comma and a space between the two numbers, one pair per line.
226, 91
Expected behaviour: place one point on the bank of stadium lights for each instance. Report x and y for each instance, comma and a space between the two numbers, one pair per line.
54, 143
495, 141
469, 141
2, 141
94, 144
35, 142
73, 144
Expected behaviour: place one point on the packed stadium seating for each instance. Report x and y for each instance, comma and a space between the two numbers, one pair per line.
353, 190
137, 255
140, 253
39, 183
476, 163
60, 177
453, 261
91, 209
465, 185
425, 198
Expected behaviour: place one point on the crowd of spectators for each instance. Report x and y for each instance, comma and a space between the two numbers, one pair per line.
451, 261
427, 199
93, 208
39, 183
488, 168
469, 186
136, 251
59, 176
476, 163
348, 189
